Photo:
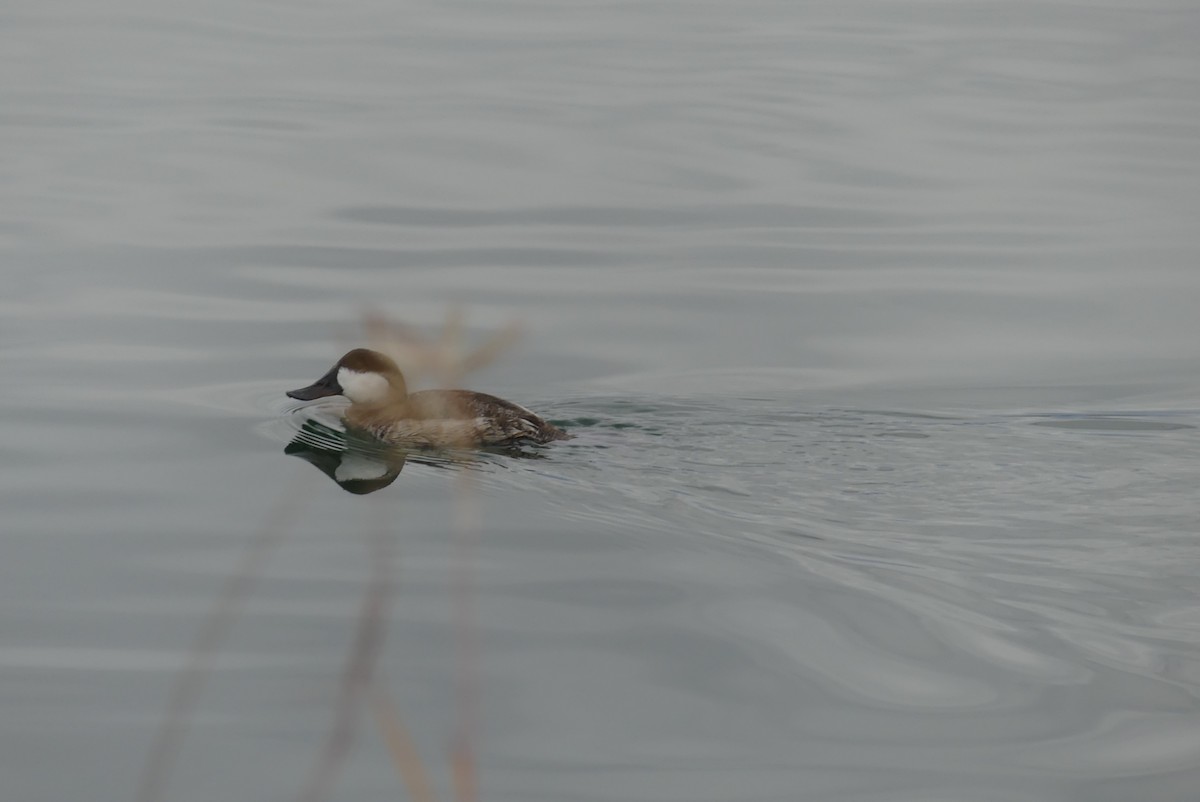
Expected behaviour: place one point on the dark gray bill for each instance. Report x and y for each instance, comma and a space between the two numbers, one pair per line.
326, 385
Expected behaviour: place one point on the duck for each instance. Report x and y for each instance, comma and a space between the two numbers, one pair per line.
382, 407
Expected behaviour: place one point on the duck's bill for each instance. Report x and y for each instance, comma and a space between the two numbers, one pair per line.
325, 386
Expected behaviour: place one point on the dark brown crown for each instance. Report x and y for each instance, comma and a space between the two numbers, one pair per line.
364, 360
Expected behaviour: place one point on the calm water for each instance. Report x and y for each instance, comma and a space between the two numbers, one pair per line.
876, 322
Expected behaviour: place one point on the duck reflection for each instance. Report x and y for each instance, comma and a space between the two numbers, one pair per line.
354, 468
362, 465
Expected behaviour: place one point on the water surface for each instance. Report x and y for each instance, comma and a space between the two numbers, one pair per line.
875, 322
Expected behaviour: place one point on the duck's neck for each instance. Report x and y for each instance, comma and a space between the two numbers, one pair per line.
396, 398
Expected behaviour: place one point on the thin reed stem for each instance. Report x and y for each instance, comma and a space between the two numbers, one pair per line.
401, 746
360, 665
463, 761
189, 683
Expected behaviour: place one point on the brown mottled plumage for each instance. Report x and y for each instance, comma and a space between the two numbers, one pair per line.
382, 406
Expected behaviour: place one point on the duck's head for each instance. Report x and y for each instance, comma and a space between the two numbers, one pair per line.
364, 376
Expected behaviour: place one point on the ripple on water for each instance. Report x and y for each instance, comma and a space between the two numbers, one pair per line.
1122, 743
257, 399
1105, 423
836, 657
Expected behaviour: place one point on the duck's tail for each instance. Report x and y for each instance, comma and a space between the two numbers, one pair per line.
549, 433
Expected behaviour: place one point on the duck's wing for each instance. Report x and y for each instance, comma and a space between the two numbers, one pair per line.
498, 421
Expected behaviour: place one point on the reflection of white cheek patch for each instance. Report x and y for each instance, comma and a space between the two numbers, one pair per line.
357, 466
362, 387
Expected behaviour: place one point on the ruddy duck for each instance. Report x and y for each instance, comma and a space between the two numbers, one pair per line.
381, 405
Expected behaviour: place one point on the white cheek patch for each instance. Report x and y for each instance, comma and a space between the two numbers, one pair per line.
362, 388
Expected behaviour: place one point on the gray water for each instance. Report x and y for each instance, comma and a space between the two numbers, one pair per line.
876, 323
